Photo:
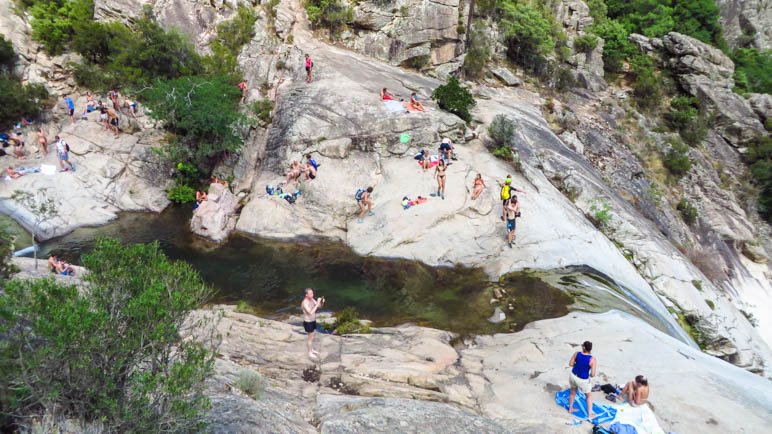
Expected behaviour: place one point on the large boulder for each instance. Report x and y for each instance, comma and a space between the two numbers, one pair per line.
215, 217
706, 73
746, 22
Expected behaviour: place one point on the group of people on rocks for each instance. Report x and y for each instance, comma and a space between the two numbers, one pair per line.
415, 103
109, 115
584, 366
59, 266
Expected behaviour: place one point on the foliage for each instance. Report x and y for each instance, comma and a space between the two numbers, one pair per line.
677, 159
502, 132
752, 70
346, 322
454, 98
109, 350
655, 18
54, 21
646, 87
181, 193
7, 55
6, 250
331, 14
759, 159
251, 383
18, 100
600, 213
528, 33
616, 47
598, 9
585, 43
232, 35
688, 211
203, 115
503, 152
684, 117
478, 53
418, 62
262, 109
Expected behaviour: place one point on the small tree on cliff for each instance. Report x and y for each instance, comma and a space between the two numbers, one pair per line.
42, 209
454, 98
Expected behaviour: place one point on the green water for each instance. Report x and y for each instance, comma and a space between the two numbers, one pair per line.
270, 276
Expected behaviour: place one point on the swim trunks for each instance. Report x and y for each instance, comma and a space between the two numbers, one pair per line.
510, 225
309, 327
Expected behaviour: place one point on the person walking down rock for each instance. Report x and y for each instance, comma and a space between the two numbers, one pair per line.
310, 306
364, 202
512, 211
439, 173
583, 366
70, 108
506, 194
309, 67
63, 153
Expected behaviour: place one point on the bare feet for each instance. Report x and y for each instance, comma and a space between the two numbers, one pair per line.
573, 410
312, 355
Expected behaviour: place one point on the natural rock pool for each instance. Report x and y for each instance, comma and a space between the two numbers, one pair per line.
270, 276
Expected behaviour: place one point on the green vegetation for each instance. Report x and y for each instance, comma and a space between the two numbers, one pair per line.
202, 113
232, 35
502, 134
655, 18
710, 304
752, 70
262, 110
684, 117
677, 159
347, 322
646, 87
54, 22
333, 15
759, 160
7, 240
616, 46
688, 211
110, 350
585, 43
453, 98
478, 53
697, 284
251, 383
751, 319
181, 193
600, 214
16, 99
418, 62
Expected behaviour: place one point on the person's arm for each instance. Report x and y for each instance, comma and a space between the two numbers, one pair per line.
517, 207
593, 364
572, 362
483, 183
519, 191
310, 310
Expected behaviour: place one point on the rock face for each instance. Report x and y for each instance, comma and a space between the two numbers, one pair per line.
408, 379
413, 33
113, 173
746, 22
706, 73
215, 217
574, 17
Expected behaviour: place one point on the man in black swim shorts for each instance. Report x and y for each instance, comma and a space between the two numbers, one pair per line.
309, 306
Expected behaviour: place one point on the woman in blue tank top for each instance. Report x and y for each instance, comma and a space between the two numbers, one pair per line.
583, 367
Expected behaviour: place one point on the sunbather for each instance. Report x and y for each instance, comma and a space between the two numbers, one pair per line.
386, 96
636, 392
478, 187
416, 103
294, 173
12, 173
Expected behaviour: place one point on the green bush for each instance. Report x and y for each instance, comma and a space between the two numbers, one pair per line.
53, 21
331, 14
16, 100
677, 160
454, 98
646, 87
528, 33
655, 18
347, 322
7, 55
232, 35
181, 193
203, 115
503, 152
418, 62
251, 383
600, 214
478, 52
752, 70
598, 9
688, 211
759, 159
109, 350
585, 43
616, 46
502, 132
684, 117
262, 110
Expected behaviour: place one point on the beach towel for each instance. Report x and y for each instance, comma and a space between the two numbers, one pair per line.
432, 163
404, 138
603, 413
641, 418
394, 106
409, 107
48, 169
27, 170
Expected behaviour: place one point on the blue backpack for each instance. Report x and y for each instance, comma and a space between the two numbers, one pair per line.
314, 163
359, 194
269, 190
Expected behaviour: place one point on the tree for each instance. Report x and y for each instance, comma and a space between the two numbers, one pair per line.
42, 210
111, 350
454, 98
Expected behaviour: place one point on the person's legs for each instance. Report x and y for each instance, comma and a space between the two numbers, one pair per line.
369, 207
442, 186
588, 396
362, 209
571, 396
310, 344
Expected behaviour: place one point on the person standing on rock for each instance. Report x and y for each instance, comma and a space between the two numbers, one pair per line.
43, 141
63, 153
583, 366
512, 211
309, 306
70, 108
309, 66
439, 173
506, 194
364, 202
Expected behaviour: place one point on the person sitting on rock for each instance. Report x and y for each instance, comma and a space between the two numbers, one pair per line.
200, 196
386, 96
216, 180
53, 262
13, 174
416, 103
64, 268
18, 145
477, 187
294, 173
423, 159
636, 392
446, 150
309, 170
90, 105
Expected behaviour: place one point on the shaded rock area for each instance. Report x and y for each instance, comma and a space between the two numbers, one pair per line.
215, 217
409, 379
746, 22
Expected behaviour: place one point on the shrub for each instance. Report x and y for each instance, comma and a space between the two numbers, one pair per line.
503, 152
646, 88
232, 35
502, 132
203, 115
109, 350
53, 21
262, 109
585, 43
418, 62
751, 71
759, 159
347, 322
251, 383
655, 18
601, 215
564, 78
16, 100
684, 117
677, 160
7, 55
688, 211
330, 14
181, 193
598, 9
528, 34
478, 54
454, 98
710, 304
616, 46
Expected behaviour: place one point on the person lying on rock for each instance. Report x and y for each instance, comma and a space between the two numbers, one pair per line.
636, 392
477, 187
416, 103
13, 174
294, 173
583, 366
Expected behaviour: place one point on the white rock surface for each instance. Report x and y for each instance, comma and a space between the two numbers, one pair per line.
215, 217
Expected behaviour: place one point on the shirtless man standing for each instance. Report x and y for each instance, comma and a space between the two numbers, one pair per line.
309, 306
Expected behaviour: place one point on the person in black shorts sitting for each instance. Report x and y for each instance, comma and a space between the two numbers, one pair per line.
309, 306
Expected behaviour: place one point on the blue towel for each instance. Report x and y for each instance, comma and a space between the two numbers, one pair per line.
603, 413
619, 428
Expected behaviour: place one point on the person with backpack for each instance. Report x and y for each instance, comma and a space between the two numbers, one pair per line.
583, 366
63, 153
309, 66
364, 202
512, 211
506, 194
311, 167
